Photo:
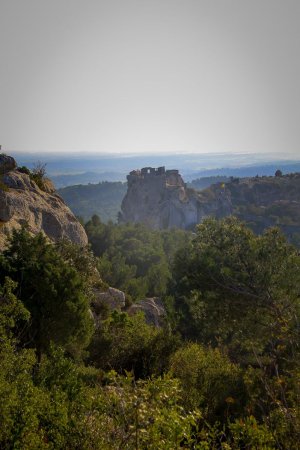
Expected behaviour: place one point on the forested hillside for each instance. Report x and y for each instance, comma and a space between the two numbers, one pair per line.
103, 199
268, 201
205, 182
222, 372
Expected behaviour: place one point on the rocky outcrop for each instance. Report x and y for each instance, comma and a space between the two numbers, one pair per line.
6, 163
22, 201
160, 199
112, 298
152, 308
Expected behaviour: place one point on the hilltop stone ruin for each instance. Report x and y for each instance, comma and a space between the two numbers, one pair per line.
160, 199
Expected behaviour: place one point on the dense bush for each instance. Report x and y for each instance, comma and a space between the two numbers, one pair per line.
209, 381
240, 292
125, 343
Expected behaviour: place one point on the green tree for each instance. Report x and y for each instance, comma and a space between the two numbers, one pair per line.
238, 288
51, 290
134, 258
209, 380
126, 343
240, 292
12, 311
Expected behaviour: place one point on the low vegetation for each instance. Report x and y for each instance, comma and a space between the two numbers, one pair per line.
37, 174
222, 373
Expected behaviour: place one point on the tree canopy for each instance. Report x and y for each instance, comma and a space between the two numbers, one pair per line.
222, 373
51, 290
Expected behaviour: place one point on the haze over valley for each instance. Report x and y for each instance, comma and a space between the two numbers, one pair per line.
78, 168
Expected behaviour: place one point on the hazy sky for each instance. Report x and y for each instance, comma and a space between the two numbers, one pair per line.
150, 75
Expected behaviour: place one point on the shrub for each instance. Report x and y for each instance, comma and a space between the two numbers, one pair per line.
209, 380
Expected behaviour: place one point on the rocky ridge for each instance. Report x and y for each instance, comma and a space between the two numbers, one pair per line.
160, 199
22, 201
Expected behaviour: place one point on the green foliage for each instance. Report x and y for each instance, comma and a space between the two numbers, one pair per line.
103, 199
268, 201
145, 415
57, 409
20, 400
37, 174
241, 292
83, 261
24, 169
235, 386
126, 343
231, 274
205, 182
51, 290
45, 412
249, 434
12, 310
133, 258
38, 179
210, 381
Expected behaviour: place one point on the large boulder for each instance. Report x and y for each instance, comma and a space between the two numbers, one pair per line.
23, 202
152, 308
112, 298
7, 163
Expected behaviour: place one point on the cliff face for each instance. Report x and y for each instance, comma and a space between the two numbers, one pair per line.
159, 199
22, 201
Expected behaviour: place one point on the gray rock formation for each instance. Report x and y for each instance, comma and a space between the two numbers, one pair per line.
160, 199
113, 298
152, 308
22, 201
7, 163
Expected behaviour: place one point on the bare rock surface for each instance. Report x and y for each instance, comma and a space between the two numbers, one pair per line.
160, 199
7, 163
152, 308
22, 201
112, 297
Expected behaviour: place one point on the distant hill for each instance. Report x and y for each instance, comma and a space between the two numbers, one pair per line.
61, 181
103, 199
205, 182
246, 171
262, 202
